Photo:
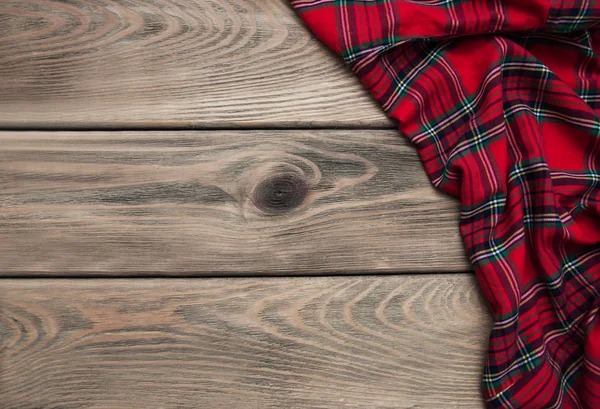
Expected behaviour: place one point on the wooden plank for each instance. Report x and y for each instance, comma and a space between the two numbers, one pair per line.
171, 63
329, 342
220, 203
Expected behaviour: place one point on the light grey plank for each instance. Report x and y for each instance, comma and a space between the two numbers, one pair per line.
171, 63
354, 342
233, 203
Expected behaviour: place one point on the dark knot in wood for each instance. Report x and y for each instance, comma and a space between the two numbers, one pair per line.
280, 193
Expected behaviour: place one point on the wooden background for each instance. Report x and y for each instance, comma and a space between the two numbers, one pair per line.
166, 167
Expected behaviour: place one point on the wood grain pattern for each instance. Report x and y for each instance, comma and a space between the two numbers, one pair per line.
171, 63
245, 202
354, 342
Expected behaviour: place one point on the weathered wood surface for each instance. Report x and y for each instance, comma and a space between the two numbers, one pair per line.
171, 63
342, 342
220, 202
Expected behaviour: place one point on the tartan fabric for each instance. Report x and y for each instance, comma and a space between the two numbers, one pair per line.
501, 99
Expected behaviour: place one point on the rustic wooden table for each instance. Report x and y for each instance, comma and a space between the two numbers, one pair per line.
258, 233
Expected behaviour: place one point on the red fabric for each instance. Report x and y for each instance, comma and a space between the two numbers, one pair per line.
501, 99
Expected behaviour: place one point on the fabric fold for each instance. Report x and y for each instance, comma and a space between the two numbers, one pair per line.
502, 101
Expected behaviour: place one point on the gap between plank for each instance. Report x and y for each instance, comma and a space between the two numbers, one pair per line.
38, 276
358, 127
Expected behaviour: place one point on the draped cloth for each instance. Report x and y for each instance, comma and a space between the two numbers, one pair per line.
502, 100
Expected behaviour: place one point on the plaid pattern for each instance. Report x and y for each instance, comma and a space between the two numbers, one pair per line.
501, 99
